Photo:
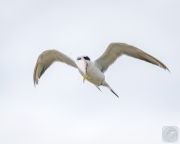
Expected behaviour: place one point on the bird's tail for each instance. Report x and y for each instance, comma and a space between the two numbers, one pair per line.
106, 85
98, 87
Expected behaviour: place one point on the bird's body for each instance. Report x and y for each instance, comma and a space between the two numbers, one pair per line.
93, 71
96, 76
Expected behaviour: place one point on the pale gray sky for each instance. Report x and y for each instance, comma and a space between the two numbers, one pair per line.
61, 109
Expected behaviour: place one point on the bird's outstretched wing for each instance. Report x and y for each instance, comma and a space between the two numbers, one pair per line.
114, 50
46, 59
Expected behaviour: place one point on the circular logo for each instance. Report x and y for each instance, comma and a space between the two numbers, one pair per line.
170, 134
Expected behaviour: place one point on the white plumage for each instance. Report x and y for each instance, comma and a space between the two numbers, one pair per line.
93, 71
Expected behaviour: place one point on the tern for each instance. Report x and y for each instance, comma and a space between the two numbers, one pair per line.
93, 71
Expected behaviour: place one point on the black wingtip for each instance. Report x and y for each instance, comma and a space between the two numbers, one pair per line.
168, 70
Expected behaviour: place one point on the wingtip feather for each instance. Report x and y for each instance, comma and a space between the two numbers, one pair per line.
167, 69
35, 79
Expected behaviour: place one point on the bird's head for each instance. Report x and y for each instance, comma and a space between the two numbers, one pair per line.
86, 58
82, 63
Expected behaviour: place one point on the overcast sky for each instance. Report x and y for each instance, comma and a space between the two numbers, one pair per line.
61, 109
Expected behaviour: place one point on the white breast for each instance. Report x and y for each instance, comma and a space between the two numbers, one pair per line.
97, 77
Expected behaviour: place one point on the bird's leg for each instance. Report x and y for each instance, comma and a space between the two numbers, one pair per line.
85, 77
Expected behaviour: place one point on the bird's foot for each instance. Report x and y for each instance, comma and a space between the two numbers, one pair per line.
85, 77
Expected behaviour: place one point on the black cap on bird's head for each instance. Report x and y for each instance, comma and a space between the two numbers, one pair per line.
85, 57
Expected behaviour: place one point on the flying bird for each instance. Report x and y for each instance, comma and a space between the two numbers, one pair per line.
93, 71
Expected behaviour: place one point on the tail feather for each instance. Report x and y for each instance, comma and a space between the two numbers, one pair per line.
106, 85
98, 88
113, 92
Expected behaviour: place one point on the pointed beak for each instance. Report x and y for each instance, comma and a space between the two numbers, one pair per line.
84, 66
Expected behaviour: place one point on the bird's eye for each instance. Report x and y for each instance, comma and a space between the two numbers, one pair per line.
78, 58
